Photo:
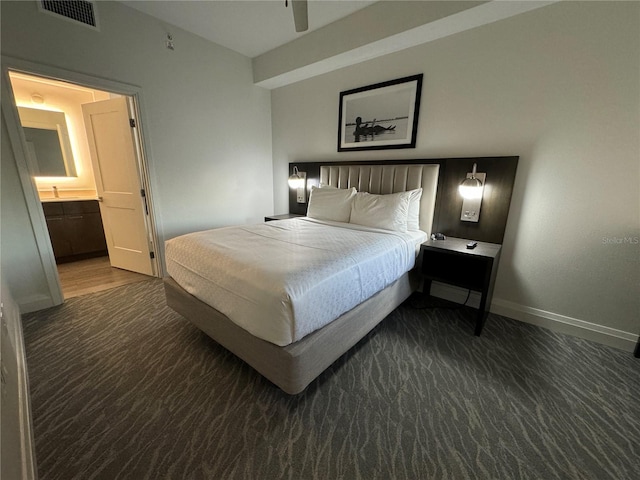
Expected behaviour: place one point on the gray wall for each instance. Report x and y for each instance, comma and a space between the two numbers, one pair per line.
19, 258
558, 86
207, 125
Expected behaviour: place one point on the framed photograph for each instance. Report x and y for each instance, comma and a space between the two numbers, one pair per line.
380, 116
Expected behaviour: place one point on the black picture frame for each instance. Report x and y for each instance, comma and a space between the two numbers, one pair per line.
380, 116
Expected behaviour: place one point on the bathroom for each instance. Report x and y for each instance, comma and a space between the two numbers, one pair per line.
59, 160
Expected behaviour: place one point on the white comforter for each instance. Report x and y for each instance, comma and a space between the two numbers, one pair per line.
285, 279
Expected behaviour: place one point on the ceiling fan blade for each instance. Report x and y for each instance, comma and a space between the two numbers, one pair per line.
300, 17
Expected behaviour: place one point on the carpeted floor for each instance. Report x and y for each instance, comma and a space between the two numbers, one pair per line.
124, 388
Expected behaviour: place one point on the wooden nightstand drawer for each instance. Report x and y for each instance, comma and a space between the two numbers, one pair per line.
466, 272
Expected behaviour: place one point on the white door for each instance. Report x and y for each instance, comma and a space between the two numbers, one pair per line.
115, 166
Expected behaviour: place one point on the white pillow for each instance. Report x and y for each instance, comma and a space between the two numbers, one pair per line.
413, 218
388, 212
331, 203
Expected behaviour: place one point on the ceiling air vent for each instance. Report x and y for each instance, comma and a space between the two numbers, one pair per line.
81, 11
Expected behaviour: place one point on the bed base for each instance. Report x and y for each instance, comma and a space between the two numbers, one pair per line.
292, 367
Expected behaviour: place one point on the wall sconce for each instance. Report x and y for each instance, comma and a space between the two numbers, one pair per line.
471, 189
298, 181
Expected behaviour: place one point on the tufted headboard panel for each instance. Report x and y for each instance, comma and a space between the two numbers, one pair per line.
384, 179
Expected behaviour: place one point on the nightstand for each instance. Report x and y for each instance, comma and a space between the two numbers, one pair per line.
283, 216
450, 261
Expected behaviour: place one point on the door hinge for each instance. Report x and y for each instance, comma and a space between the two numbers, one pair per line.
152, 255
132, 122
143, 194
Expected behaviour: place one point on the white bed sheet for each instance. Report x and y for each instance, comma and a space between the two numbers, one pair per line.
284, 279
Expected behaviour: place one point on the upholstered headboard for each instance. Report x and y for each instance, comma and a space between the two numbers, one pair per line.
388, 176
384, 179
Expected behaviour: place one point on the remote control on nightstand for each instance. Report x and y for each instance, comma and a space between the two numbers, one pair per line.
472, 245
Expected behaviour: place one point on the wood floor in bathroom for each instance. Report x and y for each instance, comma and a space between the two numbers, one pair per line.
93, 275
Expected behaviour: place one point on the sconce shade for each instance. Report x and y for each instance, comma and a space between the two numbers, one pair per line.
295, 180
470, 188
298, 182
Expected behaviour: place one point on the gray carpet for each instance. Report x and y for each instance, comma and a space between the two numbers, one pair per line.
124, 388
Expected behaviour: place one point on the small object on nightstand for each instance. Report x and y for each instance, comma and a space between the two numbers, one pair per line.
438, 236
472, 245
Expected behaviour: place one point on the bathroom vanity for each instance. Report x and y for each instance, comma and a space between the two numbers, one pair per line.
75, 228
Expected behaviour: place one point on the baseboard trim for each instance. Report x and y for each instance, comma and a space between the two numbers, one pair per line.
559, 323
34, 303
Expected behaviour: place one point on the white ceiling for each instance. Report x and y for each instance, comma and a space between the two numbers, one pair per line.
341, 32
250, 27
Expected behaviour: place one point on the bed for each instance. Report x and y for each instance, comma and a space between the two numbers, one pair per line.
235, 293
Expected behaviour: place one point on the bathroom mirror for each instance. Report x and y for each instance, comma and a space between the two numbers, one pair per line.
48, 147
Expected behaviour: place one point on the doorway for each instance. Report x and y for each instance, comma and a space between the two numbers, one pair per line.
82, 277
111, 183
